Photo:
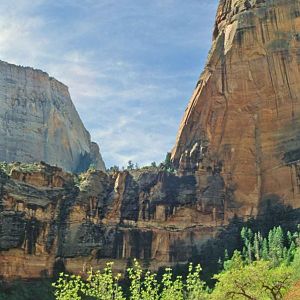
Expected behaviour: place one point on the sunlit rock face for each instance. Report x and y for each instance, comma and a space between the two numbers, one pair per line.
240, 134
38, 122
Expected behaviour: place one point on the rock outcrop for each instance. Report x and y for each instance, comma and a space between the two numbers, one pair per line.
50, 220
38, 122
240, 135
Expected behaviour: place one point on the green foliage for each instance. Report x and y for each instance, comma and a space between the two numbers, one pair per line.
103, 285
236, 262
277, 247
130, 165
195, 287
68, 287
114, 169
143, 286
153, 164
171, 289
92, 168
146, 288
135, 277
151, 287
255, 281
80, 179
25, 168
98, 285
265, 269
295, 265
5, 167
22, 167
167, 164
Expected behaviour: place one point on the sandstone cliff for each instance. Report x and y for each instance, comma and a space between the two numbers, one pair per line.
38, 122
51, 220
237, 154
240, 135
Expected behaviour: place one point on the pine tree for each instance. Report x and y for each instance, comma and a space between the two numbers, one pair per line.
265, 249
256, 247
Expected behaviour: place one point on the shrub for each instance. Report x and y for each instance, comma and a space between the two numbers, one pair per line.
104, 285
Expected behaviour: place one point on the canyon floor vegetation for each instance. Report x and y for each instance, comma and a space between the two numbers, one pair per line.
266, 268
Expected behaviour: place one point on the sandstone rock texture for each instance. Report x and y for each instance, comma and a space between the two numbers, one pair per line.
237, 155
240, 134
51, 220
38, 122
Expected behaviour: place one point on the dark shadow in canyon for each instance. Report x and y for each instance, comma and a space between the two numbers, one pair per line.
272, 212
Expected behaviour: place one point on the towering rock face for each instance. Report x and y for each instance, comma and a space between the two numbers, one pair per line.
237, 153
38, 122
240, 135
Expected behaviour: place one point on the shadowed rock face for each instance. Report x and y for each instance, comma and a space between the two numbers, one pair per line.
242, 124
52, 221
46, 220
38, 122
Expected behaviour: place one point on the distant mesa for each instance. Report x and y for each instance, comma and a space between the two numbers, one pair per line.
39, 122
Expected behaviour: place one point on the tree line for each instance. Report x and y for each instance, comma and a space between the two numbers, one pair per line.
265, 268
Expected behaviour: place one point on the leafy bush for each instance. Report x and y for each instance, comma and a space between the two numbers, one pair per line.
104, 285
22, 167
257, 281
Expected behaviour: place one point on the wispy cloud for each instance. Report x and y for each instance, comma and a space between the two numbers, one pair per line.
130, 65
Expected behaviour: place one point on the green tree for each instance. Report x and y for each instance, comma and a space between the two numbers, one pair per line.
247, 236
130, 165
276, 245
171, 289
104, 285
168, 166
114, 169
153, 164
255, 281
195, 287
264, 270
295, 265
68, 287
92, 168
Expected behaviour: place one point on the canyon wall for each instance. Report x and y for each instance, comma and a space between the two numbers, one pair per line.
38, 122
237, 157
242, 125
51, 220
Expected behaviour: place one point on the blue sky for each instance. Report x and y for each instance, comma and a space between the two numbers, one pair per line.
131, 65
